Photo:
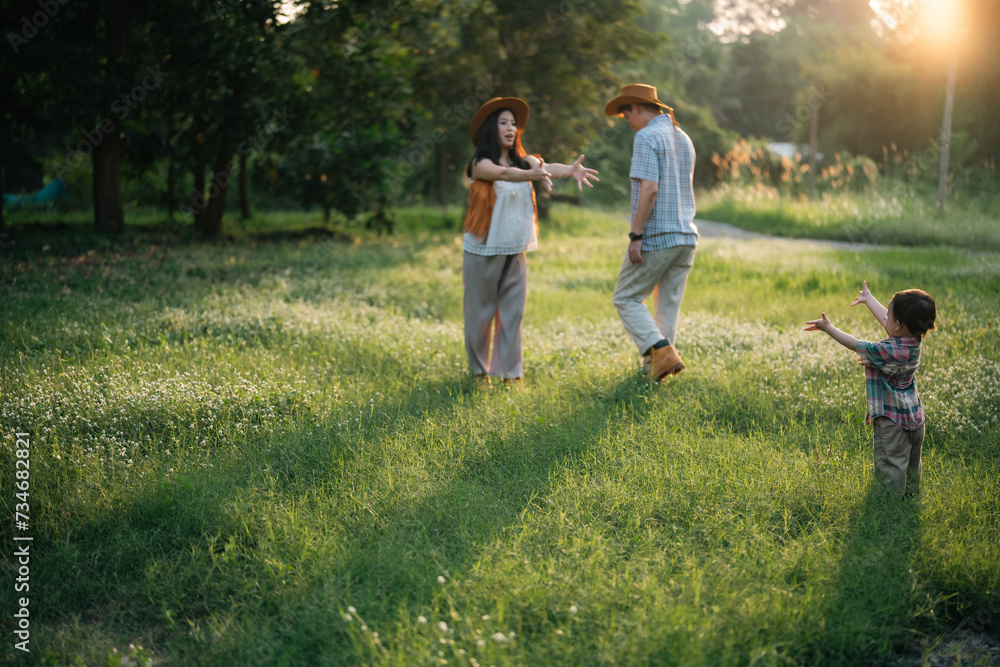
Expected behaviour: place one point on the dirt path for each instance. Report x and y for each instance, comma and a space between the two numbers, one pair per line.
708, 229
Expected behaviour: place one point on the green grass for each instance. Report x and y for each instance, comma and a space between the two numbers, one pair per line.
268, 451
902, 215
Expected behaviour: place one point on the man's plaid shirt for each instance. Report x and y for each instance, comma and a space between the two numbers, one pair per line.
890, 382
665, 154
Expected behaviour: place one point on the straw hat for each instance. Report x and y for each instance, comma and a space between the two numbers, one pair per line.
635, 93
515, 104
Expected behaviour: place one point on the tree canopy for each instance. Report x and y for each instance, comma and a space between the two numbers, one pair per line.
352, 107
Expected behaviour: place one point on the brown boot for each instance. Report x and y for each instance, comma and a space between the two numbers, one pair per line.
666, 361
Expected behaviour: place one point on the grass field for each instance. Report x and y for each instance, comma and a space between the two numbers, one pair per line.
268, 451
891, 214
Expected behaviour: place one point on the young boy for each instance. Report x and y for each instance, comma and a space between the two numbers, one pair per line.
894, 408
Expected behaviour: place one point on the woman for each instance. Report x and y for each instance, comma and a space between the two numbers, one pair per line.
501, 225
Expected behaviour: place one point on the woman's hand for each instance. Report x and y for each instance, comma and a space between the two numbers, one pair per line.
538, 173
581, 174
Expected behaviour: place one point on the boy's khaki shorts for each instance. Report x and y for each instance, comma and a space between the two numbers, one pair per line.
897, 455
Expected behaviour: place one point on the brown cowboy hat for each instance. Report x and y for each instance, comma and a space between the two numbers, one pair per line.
634, 93
515, 104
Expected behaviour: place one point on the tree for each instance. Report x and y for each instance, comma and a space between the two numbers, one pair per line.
354, 76
237, 77
100, 72
78, 62
557, 54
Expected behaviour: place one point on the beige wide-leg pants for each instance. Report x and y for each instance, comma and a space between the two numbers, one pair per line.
496, 292
663, 273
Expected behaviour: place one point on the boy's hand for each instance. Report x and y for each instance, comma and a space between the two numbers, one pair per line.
822, 324
826, 326
863, 295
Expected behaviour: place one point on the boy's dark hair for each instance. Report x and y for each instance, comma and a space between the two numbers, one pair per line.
914, 308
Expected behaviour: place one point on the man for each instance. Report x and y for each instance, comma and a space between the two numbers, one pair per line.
663, 237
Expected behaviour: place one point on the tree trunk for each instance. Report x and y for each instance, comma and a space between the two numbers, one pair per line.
3, 175
198, 196
542, 201
814, 139
245, 212
171, 198
211, 217
106, 157
949, 103
442, 152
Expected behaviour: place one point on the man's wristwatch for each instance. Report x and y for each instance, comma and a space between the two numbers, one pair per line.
632, 236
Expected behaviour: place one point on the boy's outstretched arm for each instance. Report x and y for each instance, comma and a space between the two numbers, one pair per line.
865, 297
824, 324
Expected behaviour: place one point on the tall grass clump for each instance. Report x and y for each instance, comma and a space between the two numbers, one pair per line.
855, 200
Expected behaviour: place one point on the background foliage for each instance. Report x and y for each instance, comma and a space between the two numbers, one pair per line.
377, 94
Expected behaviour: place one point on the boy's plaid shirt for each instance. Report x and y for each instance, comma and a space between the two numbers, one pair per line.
890, 383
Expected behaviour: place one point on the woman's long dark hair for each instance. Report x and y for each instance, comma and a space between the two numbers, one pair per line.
489, 146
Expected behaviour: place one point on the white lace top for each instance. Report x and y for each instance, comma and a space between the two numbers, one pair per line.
512, 227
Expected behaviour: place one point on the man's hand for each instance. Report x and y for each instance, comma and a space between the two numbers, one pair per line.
863, 296
822, 324
635, 252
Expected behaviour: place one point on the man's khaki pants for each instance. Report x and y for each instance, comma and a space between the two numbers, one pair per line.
663, 274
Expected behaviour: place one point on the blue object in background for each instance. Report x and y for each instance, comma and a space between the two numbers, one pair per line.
51, 192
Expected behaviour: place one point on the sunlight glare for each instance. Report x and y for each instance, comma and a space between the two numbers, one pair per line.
289, 10
941, 16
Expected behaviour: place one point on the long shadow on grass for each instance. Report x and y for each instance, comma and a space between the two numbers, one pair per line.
182, 551
875, 597
494, 478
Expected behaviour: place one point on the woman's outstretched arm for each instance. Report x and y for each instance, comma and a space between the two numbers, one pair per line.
576, 170
487, 170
